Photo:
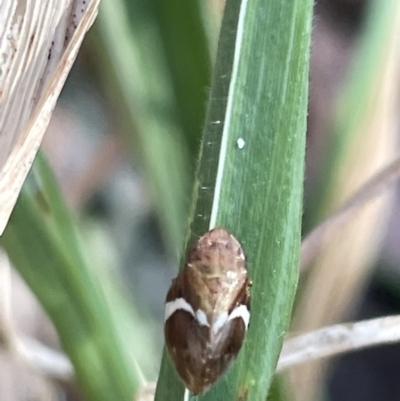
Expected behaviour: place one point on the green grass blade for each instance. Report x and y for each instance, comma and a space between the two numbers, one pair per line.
135, 72
68, 289
188, 59
159, 89
48, 195
259, 95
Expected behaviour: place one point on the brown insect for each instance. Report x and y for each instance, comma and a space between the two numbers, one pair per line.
207, 310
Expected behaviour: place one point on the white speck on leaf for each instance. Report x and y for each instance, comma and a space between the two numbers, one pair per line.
240, 143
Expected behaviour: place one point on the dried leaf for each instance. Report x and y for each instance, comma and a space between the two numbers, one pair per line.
39, 41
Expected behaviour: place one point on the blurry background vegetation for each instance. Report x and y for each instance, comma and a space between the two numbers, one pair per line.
126, 132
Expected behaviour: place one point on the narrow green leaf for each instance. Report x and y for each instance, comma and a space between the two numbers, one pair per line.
250, 175
132, 61
40, 240
187, 55
159, 88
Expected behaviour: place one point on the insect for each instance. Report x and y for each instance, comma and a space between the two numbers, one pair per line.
207, 310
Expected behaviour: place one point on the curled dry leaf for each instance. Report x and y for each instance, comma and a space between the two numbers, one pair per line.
39, 41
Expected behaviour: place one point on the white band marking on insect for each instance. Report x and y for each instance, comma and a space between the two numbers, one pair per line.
241, 311
221, 320
202, 318
179, 303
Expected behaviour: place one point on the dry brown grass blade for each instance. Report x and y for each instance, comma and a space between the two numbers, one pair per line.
52, 364
337, 339
375, 187
343, 265
40, 40
6, 328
